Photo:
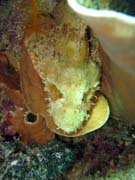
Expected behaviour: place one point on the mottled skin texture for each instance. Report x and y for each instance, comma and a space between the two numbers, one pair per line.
62, 77
57, 86
61, 72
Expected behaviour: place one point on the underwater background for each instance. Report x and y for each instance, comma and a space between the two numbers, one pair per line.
105, 154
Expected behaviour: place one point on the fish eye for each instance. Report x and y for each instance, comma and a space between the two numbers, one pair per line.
30, 117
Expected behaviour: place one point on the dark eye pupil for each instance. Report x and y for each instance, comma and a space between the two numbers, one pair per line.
31, 117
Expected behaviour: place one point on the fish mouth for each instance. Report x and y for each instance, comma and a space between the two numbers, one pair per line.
99, 115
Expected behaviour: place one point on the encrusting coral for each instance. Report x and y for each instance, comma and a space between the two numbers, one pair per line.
35, 161
106, 154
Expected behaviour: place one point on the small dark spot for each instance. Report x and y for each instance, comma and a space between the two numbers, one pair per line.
88, 34
30, 117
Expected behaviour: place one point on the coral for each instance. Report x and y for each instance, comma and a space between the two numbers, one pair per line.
105, 153
6, 106
11, 27
99, 148
9, 73
9, 81
15, 15
39, 162
118, 174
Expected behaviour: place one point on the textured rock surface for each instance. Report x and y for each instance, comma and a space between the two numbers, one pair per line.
38, 162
